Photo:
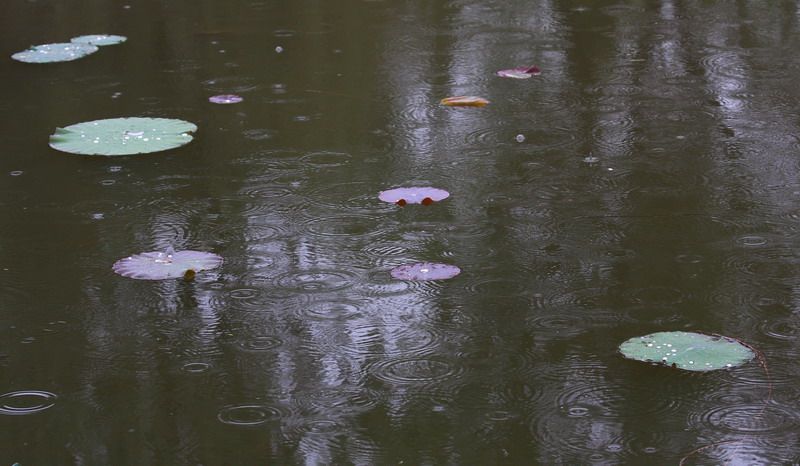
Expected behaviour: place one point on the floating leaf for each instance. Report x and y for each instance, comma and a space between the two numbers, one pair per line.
50, 53
520, 72
122, 136
465, 101
168, 264
687, 350
99, 39
225, 99
424, 195
425, 271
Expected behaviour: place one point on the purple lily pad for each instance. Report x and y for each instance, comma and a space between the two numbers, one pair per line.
225, 99
520, 72
158, 265
424, 195
425, 271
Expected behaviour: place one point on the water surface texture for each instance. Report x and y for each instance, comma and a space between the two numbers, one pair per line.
646, 181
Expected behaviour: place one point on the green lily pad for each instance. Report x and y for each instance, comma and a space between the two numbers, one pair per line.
99, 39
49, 53
157, 265
687, 350
122, 136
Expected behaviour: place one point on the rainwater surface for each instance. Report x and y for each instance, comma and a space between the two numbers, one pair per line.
648, 180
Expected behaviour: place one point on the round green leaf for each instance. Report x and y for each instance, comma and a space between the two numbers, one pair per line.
49, 53
99, 39
687, 350
122, 136
157, 265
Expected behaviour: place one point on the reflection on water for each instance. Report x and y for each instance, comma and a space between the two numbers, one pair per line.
645, 181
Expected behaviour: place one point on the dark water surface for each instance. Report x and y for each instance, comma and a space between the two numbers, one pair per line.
647, 181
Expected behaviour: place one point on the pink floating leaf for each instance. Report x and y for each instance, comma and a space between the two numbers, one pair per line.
425, 271
424, 195
158, 265
465, 101
225, 99
520, 72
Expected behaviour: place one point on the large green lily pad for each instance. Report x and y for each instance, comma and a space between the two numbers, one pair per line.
49, 53
687, 350
99, 39
123, 136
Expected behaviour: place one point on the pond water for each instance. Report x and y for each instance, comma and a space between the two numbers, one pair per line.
648, 180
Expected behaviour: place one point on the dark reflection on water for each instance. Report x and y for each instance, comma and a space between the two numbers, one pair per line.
646, 181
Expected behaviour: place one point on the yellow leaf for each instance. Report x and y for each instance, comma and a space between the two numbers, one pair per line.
465, 101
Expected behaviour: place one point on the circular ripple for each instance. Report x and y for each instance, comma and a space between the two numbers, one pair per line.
377, 340
499, 287
326, 159
250, 415
260, 343
231, 85
517, 395
727, 63
558, 325
536, 139
348, 226
334, 310
752, 241
318, 437
654, 295
380, 283
196, 367
26, 402
747, 418
359, 196
775, 263
339, 399
257, 229
415, 371
316, 281
785, 329
496, 359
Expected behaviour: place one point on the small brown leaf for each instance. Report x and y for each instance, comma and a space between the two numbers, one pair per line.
401, 202
427, 201
189, 274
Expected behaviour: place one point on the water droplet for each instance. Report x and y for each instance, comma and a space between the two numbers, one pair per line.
520, 138
16, 173
279, 49
591, 159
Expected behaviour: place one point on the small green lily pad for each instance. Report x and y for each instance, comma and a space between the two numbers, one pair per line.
99, 39
687, 350
123, 136
49, 53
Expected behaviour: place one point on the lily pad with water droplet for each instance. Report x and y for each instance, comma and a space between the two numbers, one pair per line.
99, 39
464, 101
688, 350
425, 271
123, 136
425, 195
158, 265
520, 72
51, 53
225, 99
